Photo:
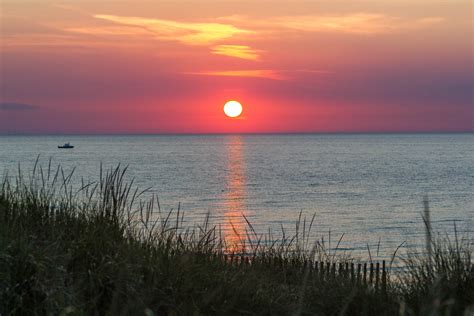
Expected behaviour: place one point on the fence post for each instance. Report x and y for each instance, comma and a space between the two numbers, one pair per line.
352, 273
384, 278
377, 276
365, 273
371, 278
321, 270
359, 272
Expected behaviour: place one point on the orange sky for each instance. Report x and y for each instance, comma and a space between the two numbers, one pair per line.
296, 66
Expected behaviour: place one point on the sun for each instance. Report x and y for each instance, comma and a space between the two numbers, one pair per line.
232, 108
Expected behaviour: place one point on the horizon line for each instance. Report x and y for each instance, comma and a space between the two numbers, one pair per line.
233, 133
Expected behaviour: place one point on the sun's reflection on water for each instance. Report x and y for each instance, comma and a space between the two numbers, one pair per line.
234, 195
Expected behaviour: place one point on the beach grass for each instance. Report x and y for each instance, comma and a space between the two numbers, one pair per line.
96, 249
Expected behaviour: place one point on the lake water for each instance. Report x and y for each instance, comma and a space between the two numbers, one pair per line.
369, 187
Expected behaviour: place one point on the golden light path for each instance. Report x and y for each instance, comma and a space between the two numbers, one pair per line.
235, 196
232, 109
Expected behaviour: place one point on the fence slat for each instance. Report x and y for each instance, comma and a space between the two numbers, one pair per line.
365, 273
384, 277
352, 273
371, 273
359, 271
377, 276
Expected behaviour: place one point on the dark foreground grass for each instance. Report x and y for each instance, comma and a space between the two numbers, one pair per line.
93, 250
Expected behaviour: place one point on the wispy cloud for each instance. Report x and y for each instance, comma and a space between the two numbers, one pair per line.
190, 33
358, 23
208, 33
221, 36
258, 73
115, 30
10, 106
238, 51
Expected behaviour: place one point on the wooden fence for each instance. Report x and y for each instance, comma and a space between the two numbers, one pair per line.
373, 274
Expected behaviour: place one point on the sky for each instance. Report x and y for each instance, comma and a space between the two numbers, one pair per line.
136, 66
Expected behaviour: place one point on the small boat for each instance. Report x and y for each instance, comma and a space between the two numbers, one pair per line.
66, 146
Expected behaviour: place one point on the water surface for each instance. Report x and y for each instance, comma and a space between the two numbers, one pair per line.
370, 187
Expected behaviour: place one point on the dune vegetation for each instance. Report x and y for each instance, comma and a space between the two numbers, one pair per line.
97, 249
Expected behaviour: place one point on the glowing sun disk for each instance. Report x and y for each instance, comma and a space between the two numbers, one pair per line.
232, 108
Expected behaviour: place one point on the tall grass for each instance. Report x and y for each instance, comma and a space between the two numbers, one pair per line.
99, 249
440, 281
